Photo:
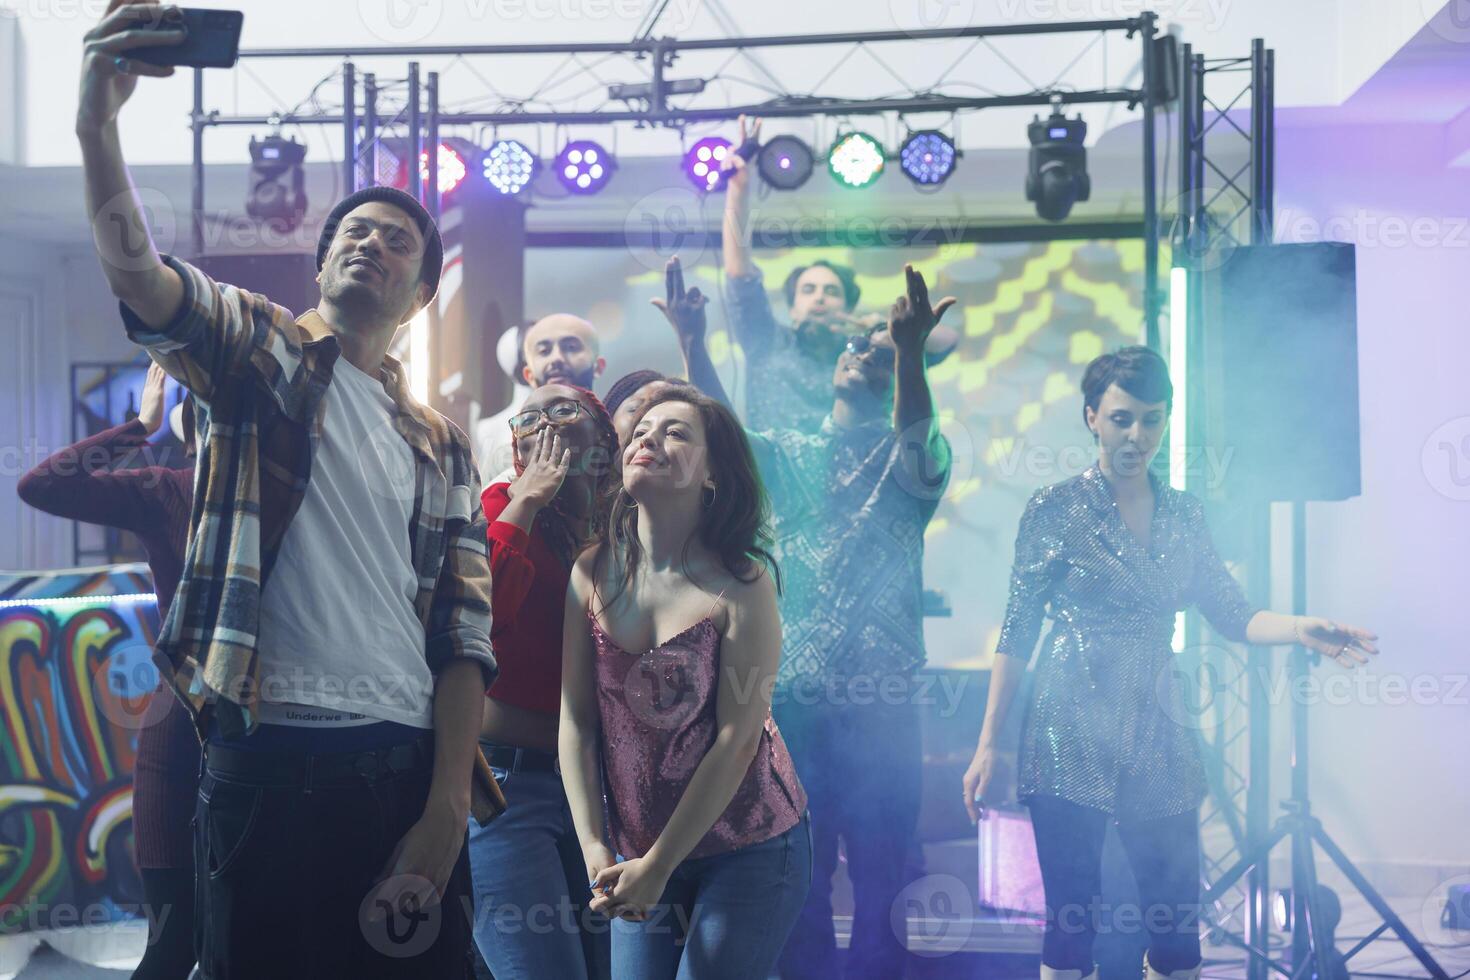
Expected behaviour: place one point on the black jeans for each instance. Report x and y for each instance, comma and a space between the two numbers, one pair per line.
860, 766
285, 866
1165, 857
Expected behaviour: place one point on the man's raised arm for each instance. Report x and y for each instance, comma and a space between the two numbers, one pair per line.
135, 272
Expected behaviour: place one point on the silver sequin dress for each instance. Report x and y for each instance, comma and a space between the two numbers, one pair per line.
1107, 726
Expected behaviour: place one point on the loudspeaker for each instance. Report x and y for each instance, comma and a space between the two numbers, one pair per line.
1278, 348
1166, 69
285, 278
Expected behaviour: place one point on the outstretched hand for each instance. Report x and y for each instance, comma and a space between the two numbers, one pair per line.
912, 318
684, 308
1349, 646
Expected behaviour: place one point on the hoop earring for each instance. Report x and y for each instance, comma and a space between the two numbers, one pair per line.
632, 501
709, 501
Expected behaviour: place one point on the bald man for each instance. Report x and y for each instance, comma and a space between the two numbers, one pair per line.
562, 349
557, 349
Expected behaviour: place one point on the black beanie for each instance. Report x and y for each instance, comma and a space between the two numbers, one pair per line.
433, 263
627, 385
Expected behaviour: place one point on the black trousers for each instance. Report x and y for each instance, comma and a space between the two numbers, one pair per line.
859, 762
286, 862
1165, 857
169, 896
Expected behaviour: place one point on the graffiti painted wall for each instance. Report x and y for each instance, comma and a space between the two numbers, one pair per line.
75, 685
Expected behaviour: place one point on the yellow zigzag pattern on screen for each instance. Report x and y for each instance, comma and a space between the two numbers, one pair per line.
973, 374
1012, 293
1010, 296
1109, 300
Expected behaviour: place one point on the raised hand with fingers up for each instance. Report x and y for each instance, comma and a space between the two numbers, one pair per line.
544, 472
735, 166
912, 318
151, 411
684, 308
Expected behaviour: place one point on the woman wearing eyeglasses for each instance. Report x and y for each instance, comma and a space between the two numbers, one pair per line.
531, 897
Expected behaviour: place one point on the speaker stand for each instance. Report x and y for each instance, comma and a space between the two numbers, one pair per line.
1311, 933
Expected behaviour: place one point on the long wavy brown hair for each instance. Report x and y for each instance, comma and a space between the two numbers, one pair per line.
736, 524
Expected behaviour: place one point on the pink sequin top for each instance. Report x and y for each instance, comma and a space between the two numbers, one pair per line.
658, 721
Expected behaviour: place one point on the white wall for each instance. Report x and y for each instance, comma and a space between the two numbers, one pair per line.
71, 317
12, 90
1389, 767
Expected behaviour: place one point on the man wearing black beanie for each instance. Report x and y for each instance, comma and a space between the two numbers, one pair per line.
330, 633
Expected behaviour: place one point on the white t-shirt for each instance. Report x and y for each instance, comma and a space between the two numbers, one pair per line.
338, 630
494, 455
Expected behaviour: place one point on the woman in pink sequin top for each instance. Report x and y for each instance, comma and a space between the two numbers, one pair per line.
691, 819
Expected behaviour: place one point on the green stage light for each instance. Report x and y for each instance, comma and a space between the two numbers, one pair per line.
856, 159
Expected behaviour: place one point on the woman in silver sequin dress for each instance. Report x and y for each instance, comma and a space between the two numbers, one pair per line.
1109, 557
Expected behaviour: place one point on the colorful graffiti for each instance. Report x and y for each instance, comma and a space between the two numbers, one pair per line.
76, 682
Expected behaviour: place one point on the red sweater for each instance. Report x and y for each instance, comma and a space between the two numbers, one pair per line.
85, 482
527, 598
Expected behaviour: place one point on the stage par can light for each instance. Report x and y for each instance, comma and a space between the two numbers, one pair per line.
584, 167
1281, 909
927, 157
508, 166
856, 159
452, 167
785, 162
703, 163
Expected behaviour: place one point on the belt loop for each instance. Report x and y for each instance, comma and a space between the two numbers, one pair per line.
517, 760
306, 781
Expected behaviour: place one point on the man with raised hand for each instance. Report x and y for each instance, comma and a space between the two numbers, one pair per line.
330, 633
850, 504
788, 367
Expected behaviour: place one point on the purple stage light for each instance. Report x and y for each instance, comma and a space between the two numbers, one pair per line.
584, 167
703, 162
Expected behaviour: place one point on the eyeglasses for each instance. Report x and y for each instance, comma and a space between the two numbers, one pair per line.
860, 344
558, 414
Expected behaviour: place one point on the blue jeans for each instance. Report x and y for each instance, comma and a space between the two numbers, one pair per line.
530, 886
727, 915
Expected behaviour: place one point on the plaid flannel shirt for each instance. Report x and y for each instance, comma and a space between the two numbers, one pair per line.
259, 379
